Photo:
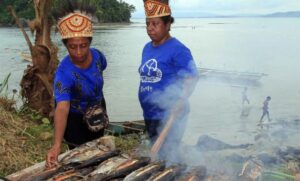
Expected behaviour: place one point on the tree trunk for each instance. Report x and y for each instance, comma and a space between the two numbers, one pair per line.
36, 84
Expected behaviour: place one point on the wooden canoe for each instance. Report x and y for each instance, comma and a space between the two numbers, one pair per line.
126, 127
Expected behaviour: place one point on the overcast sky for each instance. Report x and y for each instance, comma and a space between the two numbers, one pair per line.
222, 7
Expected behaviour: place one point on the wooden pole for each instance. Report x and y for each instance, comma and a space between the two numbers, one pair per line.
162, 136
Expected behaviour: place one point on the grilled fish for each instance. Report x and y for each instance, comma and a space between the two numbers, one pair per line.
82, 155
145, 172
75, 163
168, 174
117, 167
78, 150
72, 175
108, 165
42, 175
97, 159
84, 152
196, 174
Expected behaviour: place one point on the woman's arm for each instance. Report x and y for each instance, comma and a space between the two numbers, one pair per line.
189, 85
60, 123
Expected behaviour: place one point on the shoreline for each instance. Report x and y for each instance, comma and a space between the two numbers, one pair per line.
96, 25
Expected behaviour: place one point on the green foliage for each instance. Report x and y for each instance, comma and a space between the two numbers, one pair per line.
114, 11
127, 143
107, 10
4, 86
277, 176
31, 114
36, 130
24, 9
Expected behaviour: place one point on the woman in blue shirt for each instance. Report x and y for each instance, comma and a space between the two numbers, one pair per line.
78, 84
168, 75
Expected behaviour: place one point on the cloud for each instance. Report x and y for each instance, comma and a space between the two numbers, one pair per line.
225, 6
236, 6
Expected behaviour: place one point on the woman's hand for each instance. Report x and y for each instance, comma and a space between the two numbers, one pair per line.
52, 157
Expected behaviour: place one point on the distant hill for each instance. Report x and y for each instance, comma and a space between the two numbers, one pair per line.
185, 14
284, 14
211, 15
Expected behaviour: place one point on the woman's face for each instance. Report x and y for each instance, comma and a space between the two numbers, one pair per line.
79, 49
157, 30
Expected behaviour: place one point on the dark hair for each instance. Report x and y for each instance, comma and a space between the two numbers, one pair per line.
65, 41
167, 19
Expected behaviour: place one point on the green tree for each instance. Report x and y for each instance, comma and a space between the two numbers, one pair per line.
23, 8
107, 10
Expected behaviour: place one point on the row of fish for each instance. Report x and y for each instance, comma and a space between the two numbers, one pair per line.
95, 162
134, 169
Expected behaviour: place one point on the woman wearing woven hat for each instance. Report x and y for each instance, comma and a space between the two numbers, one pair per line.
168, 75
78, 83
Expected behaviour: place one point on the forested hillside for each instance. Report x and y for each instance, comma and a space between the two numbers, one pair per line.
107, 10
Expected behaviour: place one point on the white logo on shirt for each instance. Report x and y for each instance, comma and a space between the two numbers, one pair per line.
150, 72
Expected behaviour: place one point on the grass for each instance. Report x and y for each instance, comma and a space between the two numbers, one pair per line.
25, 138
20, 143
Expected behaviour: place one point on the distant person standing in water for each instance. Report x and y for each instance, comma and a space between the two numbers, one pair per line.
265, 109
244, 96
168, 75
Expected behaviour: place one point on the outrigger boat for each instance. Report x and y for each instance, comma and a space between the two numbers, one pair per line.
230, 76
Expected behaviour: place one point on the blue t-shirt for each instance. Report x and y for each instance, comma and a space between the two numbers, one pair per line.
162, 72
82, 87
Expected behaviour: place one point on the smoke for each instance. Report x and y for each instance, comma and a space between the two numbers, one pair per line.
215, 111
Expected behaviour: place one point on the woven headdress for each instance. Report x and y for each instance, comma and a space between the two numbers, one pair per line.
157, 8
74, 19
74, 25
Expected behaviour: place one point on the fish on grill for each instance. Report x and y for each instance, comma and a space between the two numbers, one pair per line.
195, 174
89, 146
89, 158
44, 175
72, 175
86, 153
97, 159
117, 167
168, 174
145, 172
